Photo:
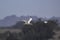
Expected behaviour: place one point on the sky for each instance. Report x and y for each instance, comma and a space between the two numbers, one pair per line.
40, 8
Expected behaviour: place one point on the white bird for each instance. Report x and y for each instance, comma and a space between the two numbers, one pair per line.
45, 22
28, 22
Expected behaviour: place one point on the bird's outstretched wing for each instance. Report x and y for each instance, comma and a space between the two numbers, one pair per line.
29, 20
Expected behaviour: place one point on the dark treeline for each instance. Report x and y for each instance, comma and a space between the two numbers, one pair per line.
37, 31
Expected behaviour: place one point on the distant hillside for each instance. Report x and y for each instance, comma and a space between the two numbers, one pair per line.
9, 20
56, 18
13, 19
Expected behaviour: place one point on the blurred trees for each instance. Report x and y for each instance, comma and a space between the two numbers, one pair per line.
39, 30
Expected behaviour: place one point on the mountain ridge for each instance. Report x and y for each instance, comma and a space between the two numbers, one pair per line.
13, 19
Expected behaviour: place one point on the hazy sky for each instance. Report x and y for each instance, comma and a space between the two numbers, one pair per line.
40, 8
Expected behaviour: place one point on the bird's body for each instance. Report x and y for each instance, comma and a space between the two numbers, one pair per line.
45, 22
28, 22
